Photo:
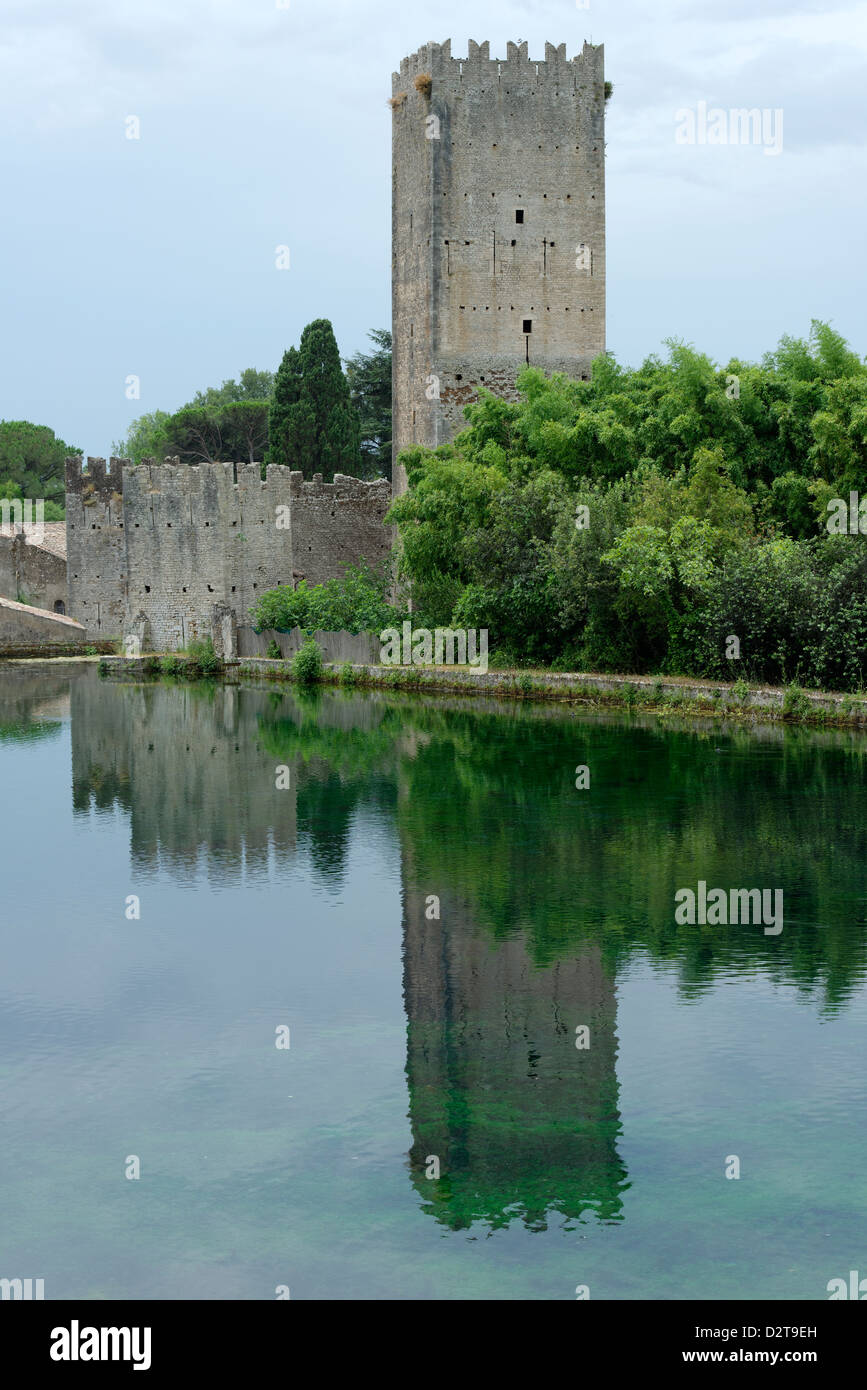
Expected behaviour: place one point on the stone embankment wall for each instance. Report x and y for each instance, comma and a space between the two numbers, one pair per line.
359, 649
672, 695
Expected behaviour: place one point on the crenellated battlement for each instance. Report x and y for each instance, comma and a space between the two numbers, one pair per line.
122, 477
99, 479
435, 60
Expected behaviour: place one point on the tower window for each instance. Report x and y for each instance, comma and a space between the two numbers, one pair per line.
528, 326
519, 215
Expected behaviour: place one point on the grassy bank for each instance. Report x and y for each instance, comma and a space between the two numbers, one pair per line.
660, 694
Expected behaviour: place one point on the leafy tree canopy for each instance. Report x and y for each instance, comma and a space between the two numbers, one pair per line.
369, 377
33, 464
638, 520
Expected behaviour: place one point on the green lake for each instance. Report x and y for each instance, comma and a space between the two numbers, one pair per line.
510, 1073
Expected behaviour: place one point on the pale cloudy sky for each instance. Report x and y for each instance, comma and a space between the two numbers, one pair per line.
263, 126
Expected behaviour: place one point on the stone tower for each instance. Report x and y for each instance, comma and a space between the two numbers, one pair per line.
498, 227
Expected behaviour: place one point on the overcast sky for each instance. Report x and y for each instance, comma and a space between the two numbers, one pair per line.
262, 126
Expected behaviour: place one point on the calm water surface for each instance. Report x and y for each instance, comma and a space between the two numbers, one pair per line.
416, 1037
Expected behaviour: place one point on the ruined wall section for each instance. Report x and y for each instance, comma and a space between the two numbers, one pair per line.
515, 271
33, 571
338, 524
95, 545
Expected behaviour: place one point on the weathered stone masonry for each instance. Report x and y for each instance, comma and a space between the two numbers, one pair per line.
172, 552
33, 564
95, 549
498, 227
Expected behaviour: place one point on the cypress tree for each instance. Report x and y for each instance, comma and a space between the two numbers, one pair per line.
313, 423
281, 424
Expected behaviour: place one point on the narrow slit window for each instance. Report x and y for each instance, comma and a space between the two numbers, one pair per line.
519, 215
528, 326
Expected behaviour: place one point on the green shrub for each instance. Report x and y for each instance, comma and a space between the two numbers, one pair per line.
356, 602
203, 657
307, 664
274, 653
348, 674
795, 702
643, 518
172, 664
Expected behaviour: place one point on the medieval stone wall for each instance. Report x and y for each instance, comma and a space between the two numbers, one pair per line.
159, 548
95, 545
24, 630
336, 524
33, 571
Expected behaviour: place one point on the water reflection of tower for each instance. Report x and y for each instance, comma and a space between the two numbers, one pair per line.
524, 1124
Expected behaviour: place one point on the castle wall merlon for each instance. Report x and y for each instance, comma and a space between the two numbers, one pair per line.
74, 475
96, 473
250, 476
433, 58
280, 473
517, 53
478, 53
589, 64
